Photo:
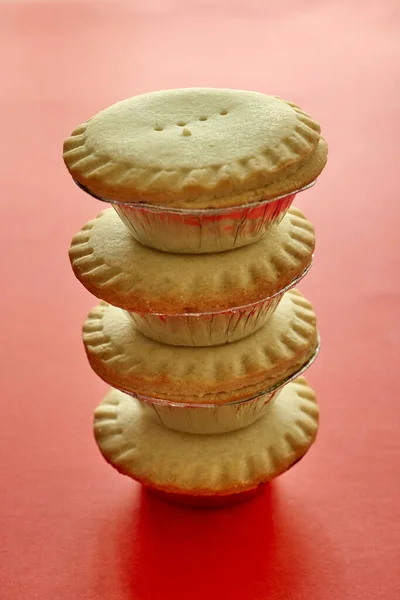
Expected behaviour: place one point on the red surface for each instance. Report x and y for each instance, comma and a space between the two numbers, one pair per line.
71, 527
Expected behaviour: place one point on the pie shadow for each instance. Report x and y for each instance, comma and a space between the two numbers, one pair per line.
263, 548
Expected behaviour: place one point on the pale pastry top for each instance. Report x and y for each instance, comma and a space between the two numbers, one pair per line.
139, 447
128, 360
113, 266
196, 148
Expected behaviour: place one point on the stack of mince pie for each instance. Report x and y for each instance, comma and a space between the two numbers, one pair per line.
200, 329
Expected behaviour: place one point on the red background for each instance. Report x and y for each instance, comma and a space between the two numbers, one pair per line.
71, 527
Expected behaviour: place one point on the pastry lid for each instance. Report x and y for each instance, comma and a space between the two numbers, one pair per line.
116, 268
196, 147
128, 360
200, 465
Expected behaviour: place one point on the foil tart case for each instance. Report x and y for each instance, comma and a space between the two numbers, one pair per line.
209, 502
203, 231
210, 328
214, 418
